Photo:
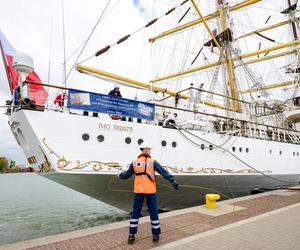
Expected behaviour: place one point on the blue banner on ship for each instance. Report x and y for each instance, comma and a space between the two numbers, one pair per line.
95, 102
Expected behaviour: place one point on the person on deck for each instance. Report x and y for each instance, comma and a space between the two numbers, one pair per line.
116, 91
143, 169
59, 99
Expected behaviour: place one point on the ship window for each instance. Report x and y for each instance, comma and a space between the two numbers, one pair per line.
211, 147
241, 149
22, 138
164, 143
233, 149
202, 146
280, 152
270, 151
297, 153
100, 138
247, 150
140, 141
174, 144
85, 137
128, 140
294, 153
17, 138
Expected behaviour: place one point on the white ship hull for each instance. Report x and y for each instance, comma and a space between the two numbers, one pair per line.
53, 142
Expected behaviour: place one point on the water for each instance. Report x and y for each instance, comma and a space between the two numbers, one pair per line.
32, 206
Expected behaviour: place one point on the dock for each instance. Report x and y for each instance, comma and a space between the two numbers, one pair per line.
264, 221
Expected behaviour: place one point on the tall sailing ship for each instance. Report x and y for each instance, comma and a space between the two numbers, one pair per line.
221, 114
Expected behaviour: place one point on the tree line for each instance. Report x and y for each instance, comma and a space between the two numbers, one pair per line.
8, 166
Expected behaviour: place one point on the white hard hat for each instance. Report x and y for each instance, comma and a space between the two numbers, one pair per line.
145, 145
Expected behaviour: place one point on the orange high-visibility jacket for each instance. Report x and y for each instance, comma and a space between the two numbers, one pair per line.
144, 177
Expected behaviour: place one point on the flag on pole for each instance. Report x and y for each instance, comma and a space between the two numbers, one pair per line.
37, 93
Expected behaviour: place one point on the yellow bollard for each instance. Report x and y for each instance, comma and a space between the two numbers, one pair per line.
210, 200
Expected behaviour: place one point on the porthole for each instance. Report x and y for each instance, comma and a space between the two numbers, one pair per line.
247, 150
164, 143
202, 146
211, 147
270, 151
128, 140
85, 137
233, 149
100, 138
241, 150
174, 144
280, 152
140, 141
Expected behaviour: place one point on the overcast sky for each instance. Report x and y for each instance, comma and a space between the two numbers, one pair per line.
28, 25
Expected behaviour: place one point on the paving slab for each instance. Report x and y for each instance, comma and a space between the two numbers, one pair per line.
277, 229
182, 224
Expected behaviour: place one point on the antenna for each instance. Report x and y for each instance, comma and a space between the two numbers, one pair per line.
64, 44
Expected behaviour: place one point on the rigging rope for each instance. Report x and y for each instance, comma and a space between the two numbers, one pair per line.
88, 38
124, 38
226, 150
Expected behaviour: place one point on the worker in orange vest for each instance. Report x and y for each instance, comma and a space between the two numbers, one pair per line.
143, 169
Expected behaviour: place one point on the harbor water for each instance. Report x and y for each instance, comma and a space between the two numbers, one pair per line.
32, 206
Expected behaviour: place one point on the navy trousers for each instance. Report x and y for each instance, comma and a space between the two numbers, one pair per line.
137, 207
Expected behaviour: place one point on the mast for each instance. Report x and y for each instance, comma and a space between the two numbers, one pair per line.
206, 18
293, 20
292, 16
124, 80
228, 60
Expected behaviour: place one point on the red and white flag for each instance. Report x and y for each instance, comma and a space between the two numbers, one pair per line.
36, 92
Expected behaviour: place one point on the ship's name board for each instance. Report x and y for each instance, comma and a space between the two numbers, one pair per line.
112, 127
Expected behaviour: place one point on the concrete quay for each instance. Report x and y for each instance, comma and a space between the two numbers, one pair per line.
264, 221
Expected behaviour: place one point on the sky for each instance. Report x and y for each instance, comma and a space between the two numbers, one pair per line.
35, 26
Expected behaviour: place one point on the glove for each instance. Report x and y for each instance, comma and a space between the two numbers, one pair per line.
175, 184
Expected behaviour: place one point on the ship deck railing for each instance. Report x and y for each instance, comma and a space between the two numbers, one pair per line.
212, 123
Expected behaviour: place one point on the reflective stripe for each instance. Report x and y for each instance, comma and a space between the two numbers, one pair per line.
155, 227
134, 220
155, 221
143, 164
133, 225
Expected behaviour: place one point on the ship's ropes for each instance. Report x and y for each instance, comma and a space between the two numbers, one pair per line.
294, 137
254, 79
87, 40
214, 81
180, 129
167, 186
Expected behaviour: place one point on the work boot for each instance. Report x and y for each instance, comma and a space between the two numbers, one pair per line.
131, 238
155, 238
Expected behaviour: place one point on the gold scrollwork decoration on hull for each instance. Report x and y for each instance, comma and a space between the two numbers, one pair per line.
191, 170
64, 164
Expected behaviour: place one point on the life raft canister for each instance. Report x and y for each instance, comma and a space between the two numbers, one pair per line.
115, 117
